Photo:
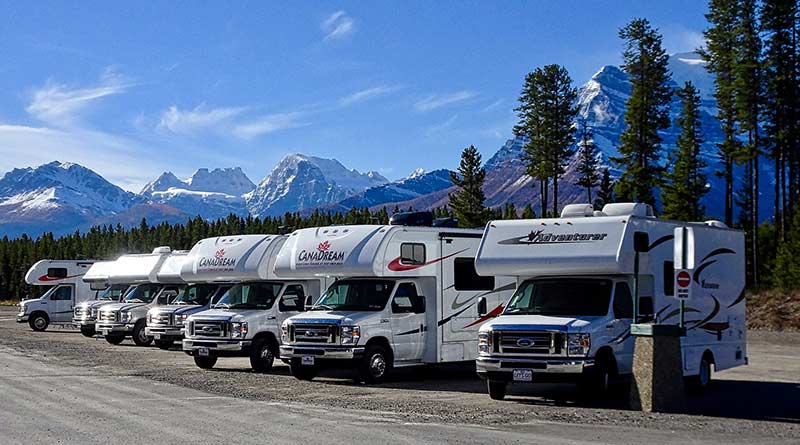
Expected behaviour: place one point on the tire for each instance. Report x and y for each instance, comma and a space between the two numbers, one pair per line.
164, 344
39, 321
598, 380
115, 339
205, 362
497, 389
262, 355
140, 336
699, 383
301, 372
375, 365
88, 331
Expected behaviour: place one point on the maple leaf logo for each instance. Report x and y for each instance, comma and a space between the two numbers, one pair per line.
534, 234
324, 246
220, 253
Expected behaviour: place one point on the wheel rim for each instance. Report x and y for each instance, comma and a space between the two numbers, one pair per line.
142, 336
606, 379
705, 373
39, 323
266, 355
377, 365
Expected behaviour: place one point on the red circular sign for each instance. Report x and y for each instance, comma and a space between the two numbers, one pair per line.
684, 279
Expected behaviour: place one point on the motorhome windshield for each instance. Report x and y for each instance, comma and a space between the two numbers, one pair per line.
143, 293
196, 294
356, 295
113, 292
260, 295
561, 297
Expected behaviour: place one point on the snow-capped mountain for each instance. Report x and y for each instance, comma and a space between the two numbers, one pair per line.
59, 196
210, 194
417, 184
302, 182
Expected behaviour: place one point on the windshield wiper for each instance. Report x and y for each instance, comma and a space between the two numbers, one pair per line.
134, 300
222, 305
323, 307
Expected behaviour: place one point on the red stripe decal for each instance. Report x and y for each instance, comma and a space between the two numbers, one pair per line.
396, 266
494, 313
46, 278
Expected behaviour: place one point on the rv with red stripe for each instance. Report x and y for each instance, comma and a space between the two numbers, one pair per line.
65, 290
400, 296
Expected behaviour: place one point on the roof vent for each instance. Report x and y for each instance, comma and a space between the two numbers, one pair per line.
424, 219
629, 209
445, 222
162, 249
577, 211
716, 223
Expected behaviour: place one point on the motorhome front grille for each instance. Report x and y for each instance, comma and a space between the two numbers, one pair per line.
160, 318
82, 313
209, 328
108, 316
529, 342
313, 333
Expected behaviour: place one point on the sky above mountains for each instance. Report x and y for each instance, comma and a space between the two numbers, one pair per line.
132, 89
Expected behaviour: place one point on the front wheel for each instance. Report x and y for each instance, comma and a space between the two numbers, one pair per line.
497, 389
205, 362
301, 372
38, 322
375, 365
262, 356
115, 339
140, 337
164, 344
698, 383
87, 331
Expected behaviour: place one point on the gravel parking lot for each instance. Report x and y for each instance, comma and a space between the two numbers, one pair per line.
760, 402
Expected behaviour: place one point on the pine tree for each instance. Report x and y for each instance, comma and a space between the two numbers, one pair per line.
468, 202
645, 61
587, 159
720, 58
686, 182
528, 213
546, 114
605, 195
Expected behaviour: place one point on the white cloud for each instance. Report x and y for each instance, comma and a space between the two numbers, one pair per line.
678, 38
337, 26
58, 104
200, 118
435, 101
269, 124
494, 105
367, 94
441, 127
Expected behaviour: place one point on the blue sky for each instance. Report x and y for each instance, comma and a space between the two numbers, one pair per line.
131, 89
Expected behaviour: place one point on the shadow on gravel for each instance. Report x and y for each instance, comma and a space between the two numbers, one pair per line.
744, 399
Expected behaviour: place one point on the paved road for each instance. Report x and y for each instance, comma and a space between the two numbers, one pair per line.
41, 403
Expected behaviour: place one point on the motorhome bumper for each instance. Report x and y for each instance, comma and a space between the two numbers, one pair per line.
326, 352
503, 368
22, 318
164, 332
79, 322
217, 347
116, 328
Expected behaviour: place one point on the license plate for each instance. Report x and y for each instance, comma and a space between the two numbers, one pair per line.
523, 375
308, 360
157, 336
202, 352
105, 331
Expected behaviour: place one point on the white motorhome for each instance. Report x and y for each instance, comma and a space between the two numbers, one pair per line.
570, 317
245, 321
66, 290
116, 321
97, 277
403, 296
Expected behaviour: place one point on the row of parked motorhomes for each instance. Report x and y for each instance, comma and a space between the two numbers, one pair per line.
526, 300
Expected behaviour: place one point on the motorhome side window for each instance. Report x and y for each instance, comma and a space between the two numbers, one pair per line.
466, 279
62, 294
293, 299
404, 298
669, 278
57, 272
412, 253
623, 301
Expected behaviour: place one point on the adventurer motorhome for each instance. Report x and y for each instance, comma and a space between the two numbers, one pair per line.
116, 321
66, 289
571, 315
165, 324
85, 315
403, 296
245, 320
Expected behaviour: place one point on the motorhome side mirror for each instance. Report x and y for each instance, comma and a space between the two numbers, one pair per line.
309, 302
641, 241
419, 305
646, 309
482, 306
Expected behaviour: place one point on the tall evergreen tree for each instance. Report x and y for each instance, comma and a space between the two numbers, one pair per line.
686, 182
589, 176
645, 61
468, 202
605, 194
720, 58
546, 114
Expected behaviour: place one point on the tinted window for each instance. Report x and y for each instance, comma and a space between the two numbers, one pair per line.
293, 299
196, 294
113, 292
169, 293
669, 278
412, 253
404, 298
143, 293
623, 301
250, 296
562, 297
63, 293
356, 295
57, 272
467, 279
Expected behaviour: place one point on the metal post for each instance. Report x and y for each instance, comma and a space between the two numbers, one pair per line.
636, 287
684, 262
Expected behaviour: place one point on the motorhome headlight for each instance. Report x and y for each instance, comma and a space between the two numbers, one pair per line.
190, 327
94, 313
22, 309
180, 319
578, 344
485, 342
350, 335
124, 316
285, 333
238, 329
149, 318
